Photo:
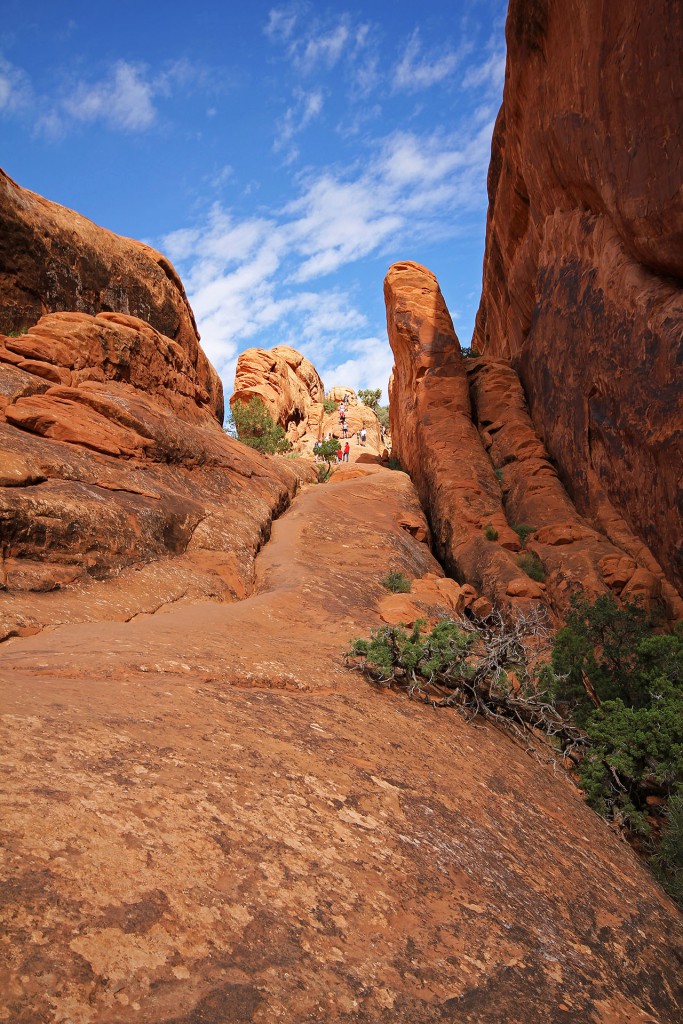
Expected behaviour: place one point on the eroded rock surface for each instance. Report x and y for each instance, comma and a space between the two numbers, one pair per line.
53, 259
118, 487
286, 382
481, 469
436, 441
584, 256
208, 818
574, 555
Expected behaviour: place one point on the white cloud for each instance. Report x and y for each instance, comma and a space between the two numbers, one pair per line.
307, 106
365, 362
123, 100
281, 22
261, 280
15, 88
490, 74
414, 71
323, 49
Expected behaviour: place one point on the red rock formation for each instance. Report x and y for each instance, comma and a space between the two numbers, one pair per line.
207, 818
286, 382
573, 553
358, 417
113, 462
53, 259
475, 483
436, 441
584, 255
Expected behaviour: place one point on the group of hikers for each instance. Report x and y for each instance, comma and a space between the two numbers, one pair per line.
343, 452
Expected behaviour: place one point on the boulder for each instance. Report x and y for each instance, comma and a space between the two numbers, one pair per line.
285, 381
54, 259
584, 257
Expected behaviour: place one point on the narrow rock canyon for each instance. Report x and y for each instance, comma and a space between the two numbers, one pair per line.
207, 815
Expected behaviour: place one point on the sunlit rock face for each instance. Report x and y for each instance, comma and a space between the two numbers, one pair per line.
584, 257
119, 490
286, 382
497, 507
54, 259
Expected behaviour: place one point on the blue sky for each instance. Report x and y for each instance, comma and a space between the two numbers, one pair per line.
283, 155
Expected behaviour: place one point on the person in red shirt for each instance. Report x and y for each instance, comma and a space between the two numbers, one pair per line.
339, 453
347, 449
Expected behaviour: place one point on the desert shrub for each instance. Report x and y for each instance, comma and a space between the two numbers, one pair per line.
490, 532
329, 405
622, 682
397, 583
382, 412
394, 463
601, 643
523, 531
326, 450
532, 565
481, 667
469, 353
499, 475
370, 397
667, 861
255, 426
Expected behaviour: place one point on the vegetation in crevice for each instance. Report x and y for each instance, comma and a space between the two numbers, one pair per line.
490, 532
254, 426
397, 583
531, 564
604, 695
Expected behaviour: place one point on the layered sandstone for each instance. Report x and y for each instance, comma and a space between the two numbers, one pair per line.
584, 257
119, 491
54, 259
286, 382
462, 429
573, 553
437, 442
208, 818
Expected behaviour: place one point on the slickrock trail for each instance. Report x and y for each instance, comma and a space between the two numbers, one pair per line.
207, 818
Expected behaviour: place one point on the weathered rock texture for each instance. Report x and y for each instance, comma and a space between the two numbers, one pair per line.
289, 386
457, 439
584, 255
573, 553
436, 441
207, 818
286, 382
118, 487
54, 259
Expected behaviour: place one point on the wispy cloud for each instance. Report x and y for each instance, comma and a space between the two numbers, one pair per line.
123, 100
324, 48
281, 22
305, 108
490, 73
248, 277
416, 70
15, 88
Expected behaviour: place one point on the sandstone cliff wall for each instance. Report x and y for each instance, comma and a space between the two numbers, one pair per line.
462, 429
584, 255
119, 491
54, 259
